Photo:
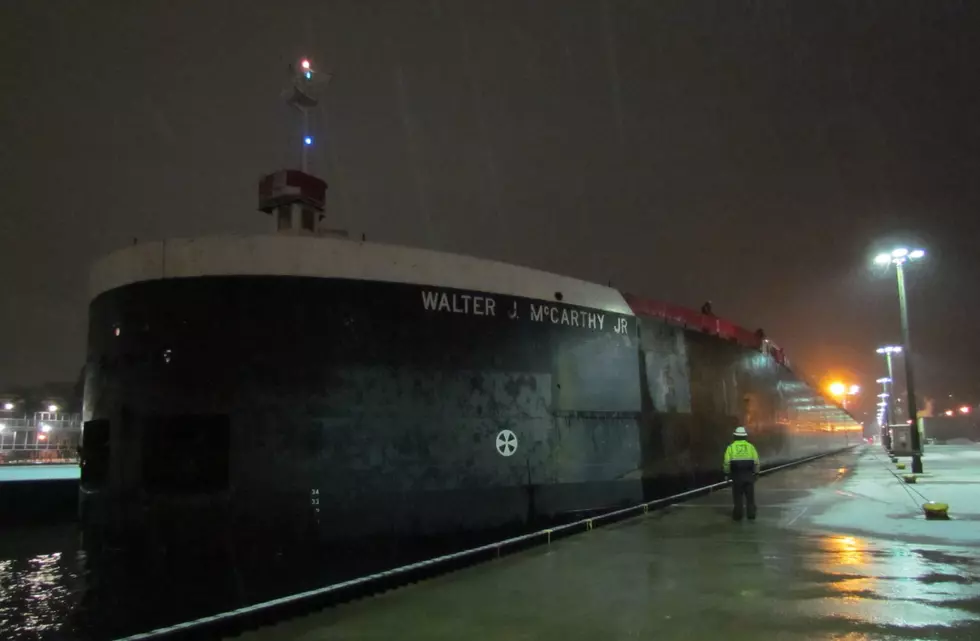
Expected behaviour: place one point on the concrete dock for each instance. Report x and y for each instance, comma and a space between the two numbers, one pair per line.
40, 472
841, 550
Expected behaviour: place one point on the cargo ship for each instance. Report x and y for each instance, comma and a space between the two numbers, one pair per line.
305, 382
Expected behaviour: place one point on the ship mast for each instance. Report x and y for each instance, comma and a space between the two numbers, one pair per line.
302, 97
296, 198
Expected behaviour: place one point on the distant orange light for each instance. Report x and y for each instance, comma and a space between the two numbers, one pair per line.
837, 388
965, 409
949, 412
42, 437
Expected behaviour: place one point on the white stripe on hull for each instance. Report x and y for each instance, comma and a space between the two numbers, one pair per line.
314, 257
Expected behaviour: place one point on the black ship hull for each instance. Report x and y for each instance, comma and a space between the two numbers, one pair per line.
339, 408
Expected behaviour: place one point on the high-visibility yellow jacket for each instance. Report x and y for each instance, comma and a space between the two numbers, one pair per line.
741, 457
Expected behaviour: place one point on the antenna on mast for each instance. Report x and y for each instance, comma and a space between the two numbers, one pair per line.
305, 83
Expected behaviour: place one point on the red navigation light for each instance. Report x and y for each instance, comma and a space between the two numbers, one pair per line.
949, 412
304, 63
965, 409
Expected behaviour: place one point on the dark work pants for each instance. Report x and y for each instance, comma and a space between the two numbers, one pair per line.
743, 489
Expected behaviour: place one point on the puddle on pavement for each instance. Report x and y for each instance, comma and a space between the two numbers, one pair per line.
890, 585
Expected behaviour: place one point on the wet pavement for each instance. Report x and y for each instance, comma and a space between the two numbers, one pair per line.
840, 551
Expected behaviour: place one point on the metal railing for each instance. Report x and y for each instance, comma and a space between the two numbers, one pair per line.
60, 420
44, 437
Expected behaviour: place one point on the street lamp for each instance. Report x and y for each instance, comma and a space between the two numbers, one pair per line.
898, 257
884, 381
843, 391
8, 406
52, 408
888, 351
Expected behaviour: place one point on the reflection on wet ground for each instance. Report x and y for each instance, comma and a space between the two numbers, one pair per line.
892, 587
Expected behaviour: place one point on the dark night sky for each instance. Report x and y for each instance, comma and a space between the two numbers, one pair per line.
754, 153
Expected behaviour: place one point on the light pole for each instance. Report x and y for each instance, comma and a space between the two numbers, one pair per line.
889, 351
885, 395
883, 404
899, 257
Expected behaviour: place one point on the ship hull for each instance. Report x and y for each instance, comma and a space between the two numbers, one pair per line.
337, 408
355, 408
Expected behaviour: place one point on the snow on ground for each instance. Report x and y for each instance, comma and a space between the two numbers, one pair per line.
874, 501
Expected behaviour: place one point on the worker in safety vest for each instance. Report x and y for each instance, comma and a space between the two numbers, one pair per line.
742, 465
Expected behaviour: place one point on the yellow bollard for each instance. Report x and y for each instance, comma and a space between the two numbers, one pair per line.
900, 466
909, 478
936, 511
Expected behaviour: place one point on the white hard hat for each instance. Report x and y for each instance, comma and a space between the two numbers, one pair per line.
740, 431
